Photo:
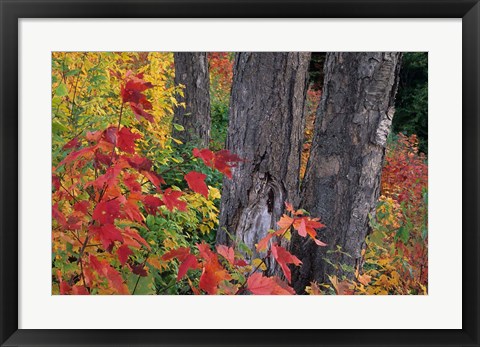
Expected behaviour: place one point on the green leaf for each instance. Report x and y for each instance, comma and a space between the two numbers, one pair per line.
61, 90
403, 234
178, 127
376, 237
57, 127
144, 287
72, 72
245, 249
150, 221
424, 233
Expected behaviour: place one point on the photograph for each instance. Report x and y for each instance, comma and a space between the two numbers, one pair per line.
239, 173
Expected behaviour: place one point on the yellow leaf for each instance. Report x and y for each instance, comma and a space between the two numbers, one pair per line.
214, 193
258, 263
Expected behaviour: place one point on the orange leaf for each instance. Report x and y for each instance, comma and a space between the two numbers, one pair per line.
306, 225
260, 285
341, 287
262, 245
285, 222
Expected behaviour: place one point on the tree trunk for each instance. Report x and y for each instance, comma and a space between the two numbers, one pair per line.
266, 129
342, 180
191, 70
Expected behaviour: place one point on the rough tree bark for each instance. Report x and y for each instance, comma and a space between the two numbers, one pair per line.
191, 70
266, 129
342, 179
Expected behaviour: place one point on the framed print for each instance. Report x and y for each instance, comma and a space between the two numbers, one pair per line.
239, 173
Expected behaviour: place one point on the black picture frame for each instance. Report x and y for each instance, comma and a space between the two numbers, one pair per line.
12, 11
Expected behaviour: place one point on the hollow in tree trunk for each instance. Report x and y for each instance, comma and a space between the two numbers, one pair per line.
266, 129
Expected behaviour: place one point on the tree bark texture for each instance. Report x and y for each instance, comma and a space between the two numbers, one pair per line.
342, 179
266, 129
191, 70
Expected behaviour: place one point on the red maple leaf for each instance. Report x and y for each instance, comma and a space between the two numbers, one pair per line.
132, 93
79, 290
109, 178
140, 163
114, 278
74, 222
64, 287
56, 182
151, 204
154, 178
82, 206
206, 253
261, 285
289, 208
241, 262
206, 155
138, 111
131, 182
284, 257
227, 252
196, 182
190, 262
102, 159
126, 140
139, 269
107, 234
133, 88
110, 135
58, 216
180, 253
86, 153
107, 211
133, 238
123, 253
74, 143
170, 199
222, 160
130, 207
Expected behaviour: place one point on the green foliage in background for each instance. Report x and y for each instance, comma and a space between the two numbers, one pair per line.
411, 115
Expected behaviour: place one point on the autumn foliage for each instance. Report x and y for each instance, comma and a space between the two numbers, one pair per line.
226, 270
397, 252
134, 214
109, 198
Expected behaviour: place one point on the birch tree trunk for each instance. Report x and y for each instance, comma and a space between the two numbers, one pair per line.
191, 70
266, 129
342, 179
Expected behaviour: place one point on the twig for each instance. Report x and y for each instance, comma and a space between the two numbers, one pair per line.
138, 279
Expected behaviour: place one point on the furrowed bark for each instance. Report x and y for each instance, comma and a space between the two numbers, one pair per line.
266, 129
342, 179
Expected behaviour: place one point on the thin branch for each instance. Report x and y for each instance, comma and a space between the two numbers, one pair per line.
138, 279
